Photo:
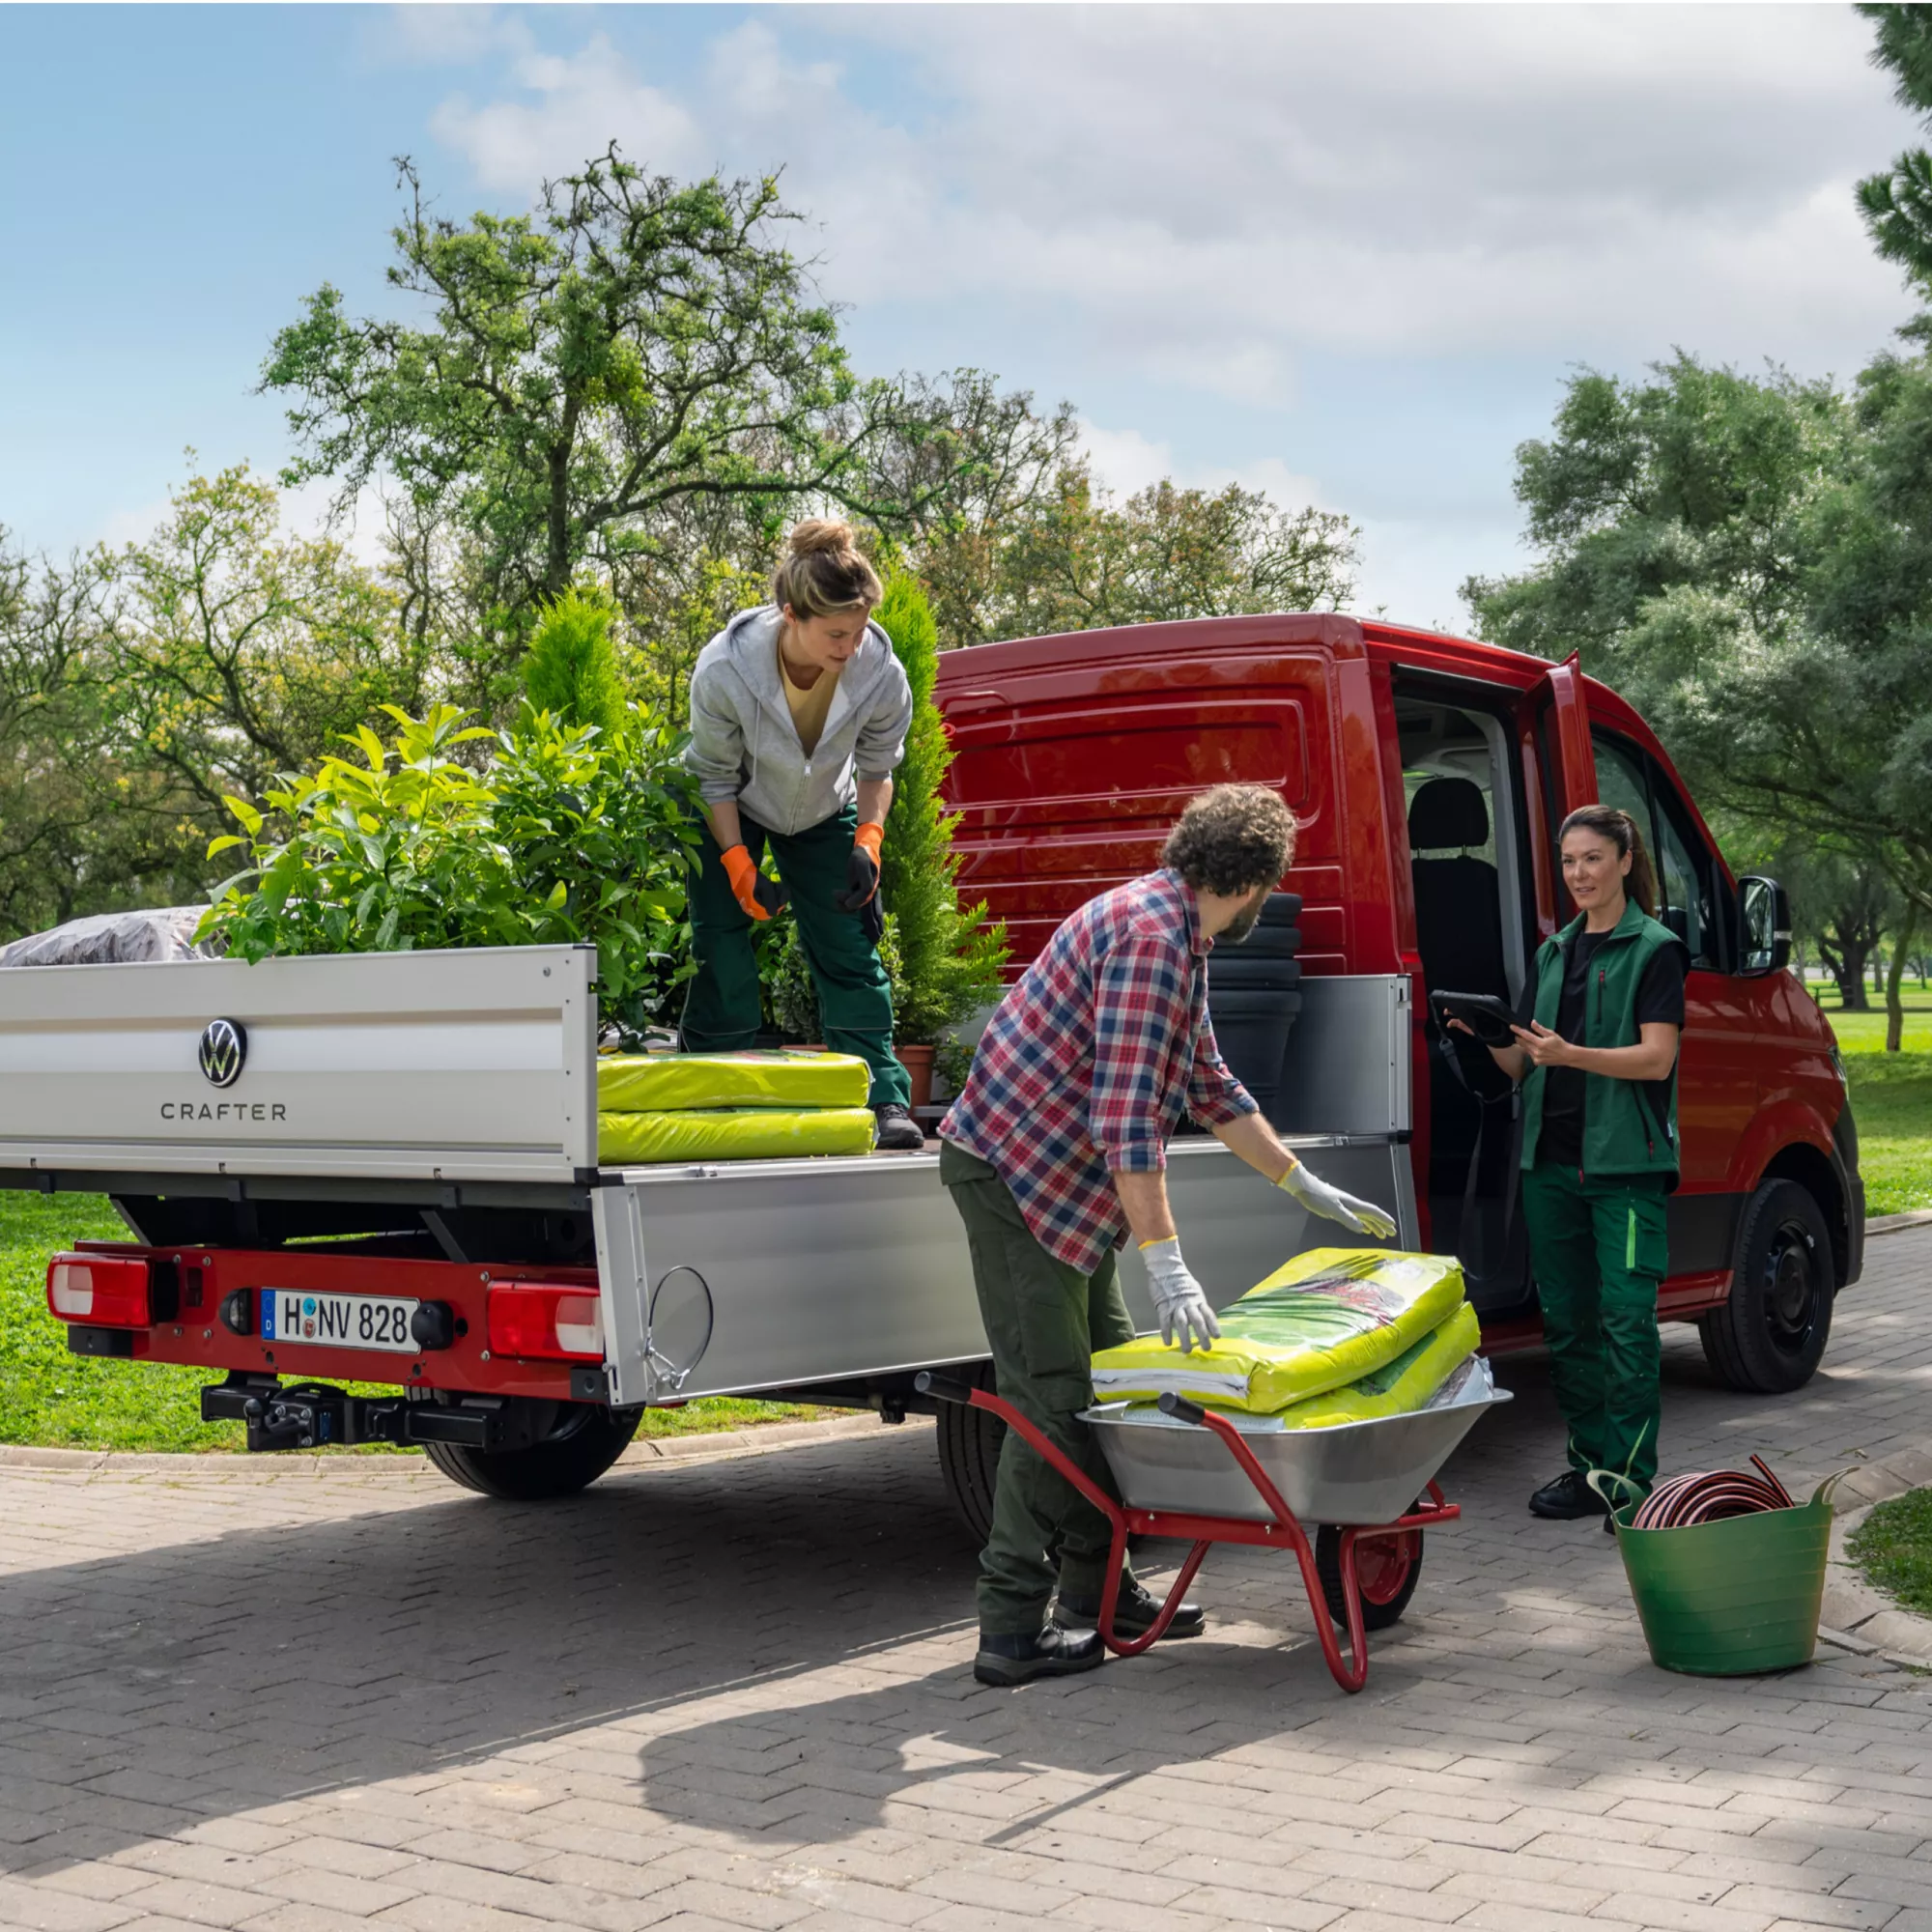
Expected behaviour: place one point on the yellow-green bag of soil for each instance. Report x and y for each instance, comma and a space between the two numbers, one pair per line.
1325, 1319
660, 1083
741, 1133
1402, 1388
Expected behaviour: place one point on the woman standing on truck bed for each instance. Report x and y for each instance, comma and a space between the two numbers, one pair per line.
799, 711
1596, 1059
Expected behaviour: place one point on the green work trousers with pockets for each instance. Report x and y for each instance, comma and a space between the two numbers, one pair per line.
855, 1001
1044, 1320
1599, 1249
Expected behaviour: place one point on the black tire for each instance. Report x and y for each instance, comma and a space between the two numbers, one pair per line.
1238, 973
1387, 1570
1266, 941
584, 1441
1770, 1335
969, 1455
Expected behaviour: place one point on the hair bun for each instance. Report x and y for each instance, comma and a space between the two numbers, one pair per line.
817, 534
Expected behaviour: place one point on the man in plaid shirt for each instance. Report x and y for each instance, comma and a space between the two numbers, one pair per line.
1056, 1149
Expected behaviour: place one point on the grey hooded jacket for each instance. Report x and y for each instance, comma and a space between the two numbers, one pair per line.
743, 743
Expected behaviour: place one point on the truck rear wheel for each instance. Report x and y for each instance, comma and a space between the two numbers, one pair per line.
969, 1455
1770, 1336
584, 1441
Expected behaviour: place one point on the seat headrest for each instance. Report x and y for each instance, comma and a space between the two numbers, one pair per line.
1447, 813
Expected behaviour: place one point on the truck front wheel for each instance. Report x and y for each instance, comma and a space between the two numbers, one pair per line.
1770, 1335
582, 1442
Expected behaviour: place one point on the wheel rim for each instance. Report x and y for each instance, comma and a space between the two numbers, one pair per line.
1790, 1288
1382, 1564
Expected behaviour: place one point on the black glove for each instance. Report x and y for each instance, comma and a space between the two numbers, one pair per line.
862, 874
872, 920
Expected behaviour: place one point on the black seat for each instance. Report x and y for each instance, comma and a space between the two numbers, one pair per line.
1458, 932
1459, 919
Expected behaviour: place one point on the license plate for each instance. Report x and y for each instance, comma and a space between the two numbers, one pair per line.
338, 1320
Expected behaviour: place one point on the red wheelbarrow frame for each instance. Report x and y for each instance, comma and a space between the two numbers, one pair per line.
1284, 1532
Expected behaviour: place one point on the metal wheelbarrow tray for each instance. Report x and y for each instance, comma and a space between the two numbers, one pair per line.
1198, 1475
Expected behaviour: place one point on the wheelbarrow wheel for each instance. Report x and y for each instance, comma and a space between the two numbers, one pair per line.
1387, 1569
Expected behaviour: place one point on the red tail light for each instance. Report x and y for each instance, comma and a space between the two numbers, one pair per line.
100, 1289
545, 1323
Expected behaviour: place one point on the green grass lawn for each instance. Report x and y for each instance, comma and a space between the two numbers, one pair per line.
52, 1399
1891, 1100
1893, 1547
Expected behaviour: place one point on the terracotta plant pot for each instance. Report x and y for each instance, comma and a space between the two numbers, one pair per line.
918, 1064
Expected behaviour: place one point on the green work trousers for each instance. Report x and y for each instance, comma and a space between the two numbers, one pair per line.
855, 1001
1599, 1249
1044, 1320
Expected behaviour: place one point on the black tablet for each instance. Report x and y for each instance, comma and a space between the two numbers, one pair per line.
1487, 1018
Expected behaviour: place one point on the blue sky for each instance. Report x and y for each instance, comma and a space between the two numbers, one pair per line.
1348, 254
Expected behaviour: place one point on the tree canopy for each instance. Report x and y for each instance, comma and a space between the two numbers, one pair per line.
1749, 559
587, 381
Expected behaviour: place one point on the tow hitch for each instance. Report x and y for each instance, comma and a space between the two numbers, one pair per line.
315, 1416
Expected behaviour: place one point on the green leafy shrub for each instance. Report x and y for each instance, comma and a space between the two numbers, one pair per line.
953, 958
571, 667
567, 835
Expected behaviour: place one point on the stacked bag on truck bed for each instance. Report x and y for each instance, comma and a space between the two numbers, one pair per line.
1337, 1335
730, 1106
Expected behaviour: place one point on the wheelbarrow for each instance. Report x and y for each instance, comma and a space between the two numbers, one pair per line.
1369, 1488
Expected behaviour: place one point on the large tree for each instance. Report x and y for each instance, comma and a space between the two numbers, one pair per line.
1750, 560
575, 385
1076, 557
138, 687
1897, 201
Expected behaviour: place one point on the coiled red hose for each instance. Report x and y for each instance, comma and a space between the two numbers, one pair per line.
1709, 1497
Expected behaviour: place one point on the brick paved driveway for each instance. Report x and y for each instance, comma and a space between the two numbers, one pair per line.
737, 1694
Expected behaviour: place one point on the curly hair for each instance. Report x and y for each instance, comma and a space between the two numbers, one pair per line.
1231, 839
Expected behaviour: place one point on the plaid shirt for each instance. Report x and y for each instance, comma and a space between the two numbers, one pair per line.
1084, 1070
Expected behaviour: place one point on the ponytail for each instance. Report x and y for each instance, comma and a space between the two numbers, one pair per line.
1620, 828
823, 571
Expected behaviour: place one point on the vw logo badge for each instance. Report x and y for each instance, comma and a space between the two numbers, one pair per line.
224, 1047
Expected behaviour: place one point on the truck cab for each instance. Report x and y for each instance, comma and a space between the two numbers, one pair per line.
1429, 776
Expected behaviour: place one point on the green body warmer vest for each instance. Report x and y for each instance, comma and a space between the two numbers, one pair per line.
1625, 1129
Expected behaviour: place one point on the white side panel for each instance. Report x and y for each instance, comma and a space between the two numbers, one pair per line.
821, 1271
475, 1064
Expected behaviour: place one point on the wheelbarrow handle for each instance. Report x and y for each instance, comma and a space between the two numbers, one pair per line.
1182, 1409
943, 1388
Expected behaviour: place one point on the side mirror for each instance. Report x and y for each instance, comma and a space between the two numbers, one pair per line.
1764, 918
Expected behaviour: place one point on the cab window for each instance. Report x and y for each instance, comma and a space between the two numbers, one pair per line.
1687, 875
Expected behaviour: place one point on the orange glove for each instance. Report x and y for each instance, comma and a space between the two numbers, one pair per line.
861, 870
760, 896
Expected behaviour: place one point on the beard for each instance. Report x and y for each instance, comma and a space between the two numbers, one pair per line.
1246, 919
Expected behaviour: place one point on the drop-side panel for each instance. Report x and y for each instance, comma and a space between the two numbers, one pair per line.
474, 1064
821, 1271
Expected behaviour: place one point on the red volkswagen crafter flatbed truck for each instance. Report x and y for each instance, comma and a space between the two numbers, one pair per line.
384, 1168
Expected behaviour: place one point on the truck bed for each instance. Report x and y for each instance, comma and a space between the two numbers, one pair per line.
442, 1106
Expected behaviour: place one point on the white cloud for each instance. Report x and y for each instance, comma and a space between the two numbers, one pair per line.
1206, 195
579, 103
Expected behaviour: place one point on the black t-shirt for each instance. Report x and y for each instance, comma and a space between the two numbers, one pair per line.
1659, 1001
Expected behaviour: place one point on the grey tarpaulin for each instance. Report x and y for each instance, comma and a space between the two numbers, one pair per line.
113, 938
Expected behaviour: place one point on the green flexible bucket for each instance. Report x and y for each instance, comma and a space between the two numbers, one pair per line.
1729, 1598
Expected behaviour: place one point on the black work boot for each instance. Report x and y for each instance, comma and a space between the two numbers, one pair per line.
1017, 1657
898, 1131
1134, 1611
1567, 1497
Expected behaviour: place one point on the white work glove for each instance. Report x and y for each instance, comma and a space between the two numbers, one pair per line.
1364, 1217
1177, 1297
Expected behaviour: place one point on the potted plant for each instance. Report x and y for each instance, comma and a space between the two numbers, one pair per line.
950, 958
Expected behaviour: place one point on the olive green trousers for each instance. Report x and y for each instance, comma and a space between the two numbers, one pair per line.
854, 999
1599, 1249
1044, 1320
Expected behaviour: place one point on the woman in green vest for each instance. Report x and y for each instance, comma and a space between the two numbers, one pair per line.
1597, 1060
